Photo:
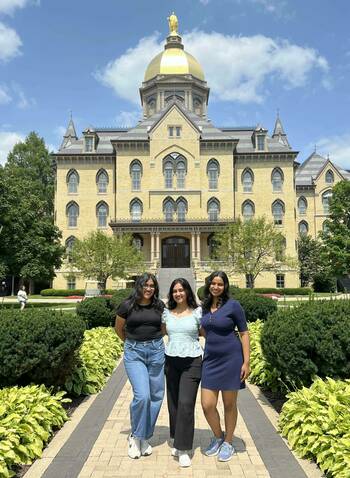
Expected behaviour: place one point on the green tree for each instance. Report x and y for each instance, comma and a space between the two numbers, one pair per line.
311, 259
336, 237
251, 247
30, 242
100, 257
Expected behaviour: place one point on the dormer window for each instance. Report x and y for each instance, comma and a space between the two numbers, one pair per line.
174, 131
89, 144
260, 139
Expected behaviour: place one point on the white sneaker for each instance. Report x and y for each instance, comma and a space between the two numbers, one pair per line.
146, 448
134, 450
175, 452
184, 459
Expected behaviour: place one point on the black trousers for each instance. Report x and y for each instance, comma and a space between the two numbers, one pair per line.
183, 375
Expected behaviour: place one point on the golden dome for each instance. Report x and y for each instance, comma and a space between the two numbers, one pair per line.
174, 60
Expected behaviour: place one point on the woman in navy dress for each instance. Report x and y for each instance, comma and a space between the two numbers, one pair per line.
225, 362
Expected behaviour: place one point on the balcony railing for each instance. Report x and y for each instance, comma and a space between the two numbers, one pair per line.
175, 220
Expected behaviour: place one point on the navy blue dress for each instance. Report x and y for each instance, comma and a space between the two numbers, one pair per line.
223, 354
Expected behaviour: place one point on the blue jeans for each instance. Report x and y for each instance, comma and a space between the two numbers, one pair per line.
144, 365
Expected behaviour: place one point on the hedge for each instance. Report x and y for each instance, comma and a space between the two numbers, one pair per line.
307, 340
96, 312
37, 346
265, 290
28, 417
316, 423
95, 361
68, 292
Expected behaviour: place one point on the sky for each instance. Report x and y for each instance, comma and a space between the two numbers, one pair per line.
88, 59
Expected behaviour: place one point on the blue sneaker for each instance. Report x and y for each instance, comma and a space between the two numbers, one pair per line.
226, 451
214, 446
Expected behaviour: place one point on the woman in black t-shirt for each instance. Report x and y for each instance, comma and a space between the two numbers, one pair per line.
138, 324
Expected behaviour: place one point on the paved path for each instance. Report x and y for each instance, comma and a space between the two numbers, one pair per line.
97, 447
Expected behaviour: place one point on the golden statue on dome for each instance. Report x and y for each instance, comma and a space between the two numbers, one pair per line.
173, 24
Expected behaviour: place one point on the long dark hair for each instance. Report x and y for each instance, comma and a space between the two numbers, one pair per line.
191, 301
137, 294
208, 298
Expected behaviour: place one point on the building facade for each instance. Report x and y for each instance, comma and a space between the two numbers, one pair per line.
174, 179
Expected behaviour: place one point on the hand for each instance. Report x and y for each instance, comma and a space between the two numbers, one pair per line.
245, 371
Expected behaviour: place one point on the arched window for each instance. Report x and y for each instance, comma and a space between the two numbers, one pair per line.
102, 214
281, 250
136, 173
277, 180
168, 174
326, 198
137, 241
302, 205
102, 181
278, 212
169, 209
181, 209
212, 246
72, 181
180, 174
69, 247
213, 171
136, 209
247, 180
329, 176
72, 211
213, 209
303, 228
248, 210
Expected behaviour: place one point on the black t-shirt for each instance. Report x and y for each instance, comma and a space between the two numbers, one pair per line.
142, 323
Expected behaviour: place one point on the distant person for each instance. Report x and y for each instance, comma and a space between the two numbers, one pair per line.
22, 297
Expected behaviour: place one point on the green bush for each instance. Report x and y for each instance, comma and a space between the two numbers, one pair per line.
316, 423
28, 417
261, 373
119, 296
286, 291
37, 346
307, 340
255, 306
34, 305
96, 360
324, 283
61, 292
96, 312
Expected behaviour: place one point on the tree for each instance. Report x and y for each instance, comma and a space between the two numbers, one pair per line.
251, 247
311, 260
101, 257
30, 242
336, 237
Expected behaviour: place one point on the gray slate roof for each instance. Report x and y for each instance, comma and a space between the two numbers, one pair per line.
311, 167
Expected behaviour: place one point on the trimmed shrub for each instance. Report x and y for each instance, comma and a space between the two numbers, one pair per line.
118, 297
316, 423
28, 417
286, 291
96, 312
96, 360
307, 340
255, 306
68, 292
37, 346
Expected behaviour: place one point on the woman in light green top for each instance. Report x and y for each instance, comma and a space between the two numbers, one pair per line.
183, 364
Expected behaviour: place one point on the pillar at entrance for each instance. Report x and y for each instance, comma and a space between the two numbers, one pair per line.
193, 246
157, 247
199, 246
152, 247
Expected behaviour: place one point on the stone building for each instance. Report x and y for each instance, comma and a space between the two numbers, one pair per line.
175, 178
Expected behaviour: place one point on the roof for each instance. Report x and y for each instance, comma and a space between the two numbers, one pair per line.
311, 168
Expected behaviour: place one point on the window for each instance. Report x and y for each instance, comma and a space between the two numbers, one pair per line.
135, 172
72, 212
278, 212
137, 241
326, 198
213, 173
171, 131
247, 180
329, 177
277, 180
325, 227
102, 181
178, 131
72, 181
169, 209
280, 281
168, 174
71, 283
174, 131
261, 142
303, 227
102, 214
89, 144
212, 246
213, 209
69, 247
136, 210
302, 205
181, 210
281, 250
180, 174
248, 210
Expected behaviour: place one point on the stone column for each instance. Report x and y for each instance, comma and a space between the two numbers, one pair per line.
152, 247
193, 246
157, 246
199, 246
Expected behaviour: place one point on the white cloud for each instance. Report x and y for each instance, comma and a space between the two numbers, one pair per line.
9, 6
7, 141
128, 118
338, 148
236, 68
10, 43
23, 102
204, 2
4, 96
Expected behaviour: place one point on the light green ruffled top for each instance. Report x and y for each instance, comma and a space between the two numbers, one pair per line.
183, 334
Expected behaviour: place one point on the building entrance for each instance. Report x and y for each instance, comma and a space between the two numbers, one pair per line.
176, 252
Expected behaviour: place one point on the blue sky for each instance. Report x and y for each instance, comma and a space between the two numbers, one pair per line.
258, 56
